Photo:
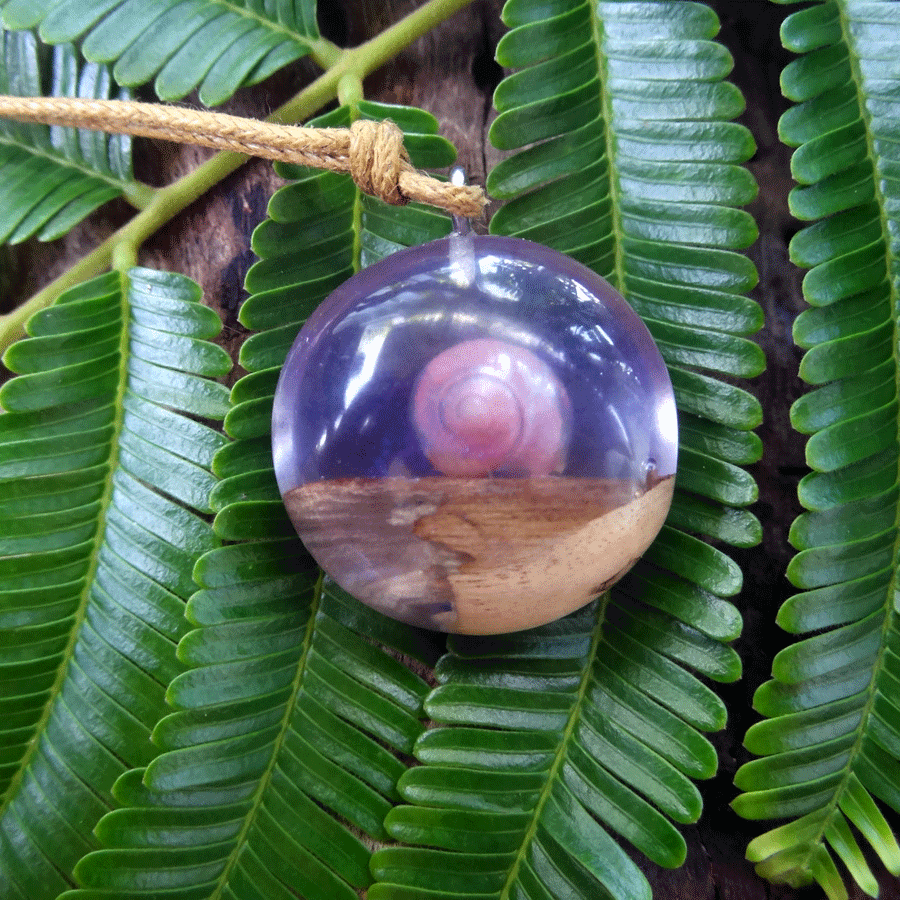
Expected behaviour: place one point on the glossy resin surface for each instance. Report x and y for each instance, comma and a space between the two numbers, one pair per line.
477, 435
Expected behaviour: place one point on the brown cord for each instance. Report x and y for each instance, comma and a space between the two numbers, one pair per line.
372, 152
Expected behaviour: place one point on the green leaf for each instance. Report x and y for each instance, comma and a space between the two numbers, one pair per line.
593, 167
100, 530
549, 736
557, 738
290, 717
214, 45
319, 232
830, 744
54, 177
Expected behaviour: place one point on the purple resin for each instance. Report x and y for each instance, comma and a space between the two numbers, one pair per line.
467, 358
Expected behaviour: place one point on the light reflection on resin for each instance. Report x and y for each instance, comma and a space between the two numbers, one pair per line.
477, 435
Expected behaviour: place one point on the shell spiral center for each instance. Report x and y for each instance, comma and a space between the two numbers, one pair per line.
486, 406
483, 413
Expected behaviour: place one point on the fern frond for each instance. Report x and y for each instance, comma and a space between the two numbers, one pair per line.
552, 738
54, 177
288, 724
290, 719
830, 742
637, 174
548, 741
214, 45
104, 471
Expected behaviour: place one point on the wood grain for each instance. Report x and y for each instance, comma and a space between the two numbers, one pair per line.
478, 555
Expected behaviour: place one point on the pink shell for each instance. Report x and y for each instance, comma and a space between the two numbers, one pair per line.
487, 406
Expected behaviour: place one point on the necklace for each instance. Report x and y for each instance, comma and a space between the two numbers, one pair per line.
477, 435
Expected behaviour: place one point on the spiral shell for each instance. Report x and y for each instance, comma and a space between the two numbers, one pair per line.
488, 406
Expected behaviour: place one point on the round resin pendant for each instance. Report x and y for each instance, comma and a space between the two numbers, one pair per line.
477, 435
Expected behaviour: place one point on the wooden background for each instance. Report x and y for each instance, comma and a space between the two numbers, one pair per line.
451, 73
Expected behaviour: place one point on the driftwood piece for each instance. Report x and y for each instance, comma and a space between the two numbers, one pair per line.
478, 555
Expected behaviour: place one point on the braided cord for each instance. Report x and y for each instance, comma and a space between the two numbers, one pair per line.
371, 152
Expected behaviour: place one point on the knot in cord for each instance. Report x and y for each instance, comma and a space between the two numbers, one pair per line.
372, 152
378, 159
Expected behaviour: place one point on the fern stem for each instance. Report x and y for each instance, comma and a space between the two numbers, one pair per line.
325, 53
350, 90
356, 258
12, 324
617, 276
124, 256
140, 195
165, 205
84, 596
167, 202
256, 801
565, 739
